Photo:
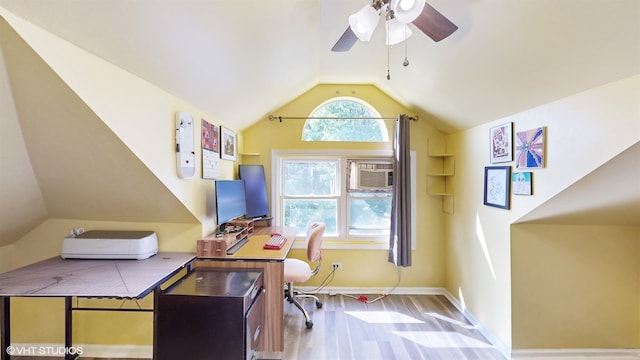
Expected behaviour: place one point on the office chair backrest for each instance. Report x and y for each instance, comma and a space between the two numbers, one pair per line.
315, 231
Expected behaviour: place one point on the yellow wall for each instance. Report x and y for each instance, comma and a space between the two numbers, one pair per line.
575, 286
369, 268
583, 132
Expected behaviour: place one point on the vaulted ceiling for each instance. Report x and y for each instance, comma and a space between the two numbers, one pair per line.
239, 60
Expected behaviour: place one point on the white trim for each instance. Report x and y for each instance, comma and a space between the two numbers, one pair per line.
351, 243
84, 350
576, 354
333, 290
499, 345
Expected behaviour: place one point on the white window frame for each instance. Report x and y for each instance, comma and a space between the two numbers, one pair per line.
340, 241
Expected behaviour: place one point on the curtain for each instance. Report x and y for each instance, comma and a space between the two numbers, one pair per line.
400, 237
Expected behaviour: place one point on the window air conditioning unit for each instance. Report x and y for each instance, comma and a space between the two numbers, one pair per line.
377, 176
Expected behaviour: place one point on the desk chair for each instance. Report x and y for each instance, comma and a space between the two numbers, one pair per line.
299, 271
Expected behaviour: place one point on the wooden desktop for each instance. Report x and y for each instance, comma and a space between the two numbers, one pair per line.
252, 255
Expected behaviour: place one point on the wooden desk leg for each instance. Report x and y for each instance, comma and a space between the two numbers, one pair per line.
273, 271
5, 339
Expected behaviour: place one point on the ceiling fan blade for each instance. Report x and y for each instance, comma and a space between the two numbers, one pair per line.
346, 41
434, 24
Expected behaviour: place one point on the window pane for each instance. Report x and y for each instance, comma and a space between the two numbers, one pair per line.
310, 178
356, 122
300, 212
369, 216
342, 130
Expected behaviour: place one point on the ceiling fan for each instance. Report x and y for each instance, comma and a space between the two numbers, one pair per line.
398, 14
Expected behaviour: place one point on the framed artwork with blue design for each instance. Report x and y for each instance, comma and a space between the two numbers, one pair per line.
521, 183
530, 148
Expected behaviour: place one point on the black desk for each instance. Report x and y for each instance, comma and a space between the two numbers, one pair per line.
56, 277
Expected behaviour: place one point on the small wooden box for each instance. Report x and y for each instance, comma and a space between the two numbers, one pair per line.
245, 224
214, 247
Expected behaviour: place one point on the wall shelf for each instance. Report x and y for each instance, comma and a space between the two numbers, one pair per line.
440, 169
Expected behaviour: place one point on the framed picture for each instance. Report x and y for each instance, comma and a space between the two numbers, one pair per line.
501, 143
210, 150
228, 143
521, 183
530, 148
497, 186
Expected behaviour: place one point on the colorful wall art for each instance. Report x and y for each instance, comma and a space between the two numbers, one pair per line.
530, 148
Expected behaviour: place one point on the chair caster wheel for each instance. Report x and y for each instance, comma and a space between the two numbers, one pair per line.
319, 304
309, 324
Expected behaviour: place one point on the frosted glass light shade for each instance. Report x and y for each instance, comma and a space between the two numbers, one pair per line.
397, 32
407, 10
364, 22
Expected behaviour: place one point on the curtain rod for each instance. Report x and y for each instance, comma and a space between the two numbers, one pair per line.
280, 118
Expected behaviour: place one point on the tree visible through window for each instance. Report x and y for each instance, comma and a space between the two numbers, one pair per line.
344, 119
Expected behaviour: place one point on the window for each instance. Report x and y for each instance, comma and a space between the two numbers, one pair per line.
329, 186
348, 190
315, 188
345, 119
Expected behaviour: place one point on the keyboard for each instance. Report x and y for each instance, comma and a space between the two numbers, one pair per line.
276, 242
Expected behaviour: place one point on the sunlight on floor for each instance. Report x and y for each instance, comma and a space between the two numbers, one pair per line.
442, 339
383, 317
450, 320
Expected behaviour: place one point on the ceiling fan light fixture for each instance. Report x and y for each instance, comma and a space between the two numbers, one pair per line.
397, 32
364, 22
407, 10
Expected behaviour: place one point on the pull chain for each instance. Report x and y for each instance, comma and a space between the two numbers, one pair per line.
388, 72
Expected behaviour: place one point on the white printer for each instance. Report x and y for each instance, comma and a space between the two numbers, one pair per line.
109, 244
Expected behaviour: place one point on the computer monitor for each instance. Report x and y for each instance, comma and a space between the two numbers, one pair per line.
255, 187
230, 201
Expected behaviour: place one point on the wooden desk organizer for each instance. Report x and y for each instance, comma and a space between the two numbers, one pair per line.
213, 246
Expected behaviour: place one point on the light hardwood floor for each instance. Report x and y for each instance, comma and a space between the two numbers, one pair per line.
395, 327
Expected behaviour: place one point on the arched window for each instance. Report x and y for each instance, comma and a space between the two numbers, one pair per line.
345, 119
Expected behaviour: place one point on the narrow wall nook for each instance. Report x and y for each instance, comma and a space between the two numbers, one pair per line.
440, 169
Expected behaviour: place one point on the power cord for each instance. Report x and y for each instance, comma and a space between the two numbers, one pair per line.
364, 299
326, 281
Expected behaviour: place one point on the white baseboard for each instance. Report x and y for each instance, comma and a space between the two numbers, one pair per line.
331, 290
576, 354
499, 345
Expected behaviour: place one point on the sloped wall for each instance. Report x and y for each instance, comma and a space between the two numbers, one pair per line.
97, 150
584, 131
100, 141
22, 206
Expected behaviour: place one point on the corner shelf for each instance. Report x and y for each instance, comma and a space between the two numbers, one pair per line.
440, 170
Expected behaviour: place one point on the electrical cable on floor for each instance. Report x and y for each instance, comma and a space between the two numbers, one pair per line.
326, 281
366, 300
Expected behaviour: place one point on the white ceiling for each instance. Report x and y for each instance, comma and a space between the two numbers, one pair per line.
240, 60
